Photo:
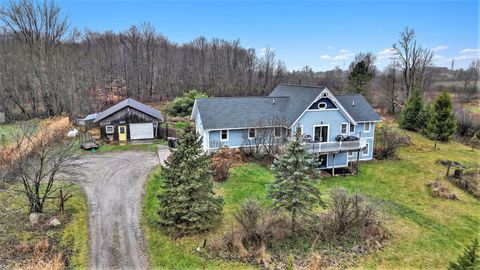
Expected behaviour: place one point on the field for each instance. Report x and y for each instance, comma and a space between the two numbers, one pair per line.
70, 238
426, 232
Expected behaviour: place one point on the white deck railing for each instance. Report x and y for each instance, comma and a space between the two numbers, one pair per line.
333, 147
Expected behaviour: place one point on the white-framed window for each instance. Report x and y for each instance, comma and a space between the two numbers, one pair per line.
343, 129
109, 129
277, 132
350, 154
366, 127
322, 105
352, 128
366, 150
295, 130
224, 135
251, 133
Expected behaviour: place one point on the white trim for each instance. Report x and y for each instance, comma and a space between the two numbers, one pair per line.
346, 129
228, 135
321, 110
369, 127
350, 130
323, 125
350, 156
240, 128
109, 126
368, 150
324, 103
255, 133
376, 121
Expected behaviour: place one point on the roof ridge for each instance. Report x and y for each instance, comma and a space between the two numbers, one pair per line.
303, 85
244, 97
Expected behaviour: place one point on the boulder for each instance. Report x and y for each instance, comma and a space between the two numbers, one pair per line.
54, 222
36, 218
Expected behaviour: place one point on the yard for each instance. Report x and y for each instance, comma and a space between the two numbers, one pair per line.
20, 242
426, 232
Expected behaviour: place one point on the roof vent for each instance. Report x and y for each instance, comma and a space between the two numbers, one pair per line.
353, 103
273, 101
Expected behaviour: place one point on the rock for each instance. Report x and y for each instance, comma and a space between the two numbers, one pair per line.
36, 218
54, 223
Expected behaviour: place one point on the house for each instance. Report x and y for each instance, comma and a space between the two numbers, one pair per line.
129, 120
320, 115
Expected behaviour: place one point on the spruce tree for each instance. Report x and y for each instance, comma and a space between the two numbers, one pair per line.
442, 124
187, 203
415, 114
468, 260
294, 187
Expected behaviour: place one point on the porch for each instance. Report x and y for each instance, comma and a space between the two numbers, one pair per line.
335, 147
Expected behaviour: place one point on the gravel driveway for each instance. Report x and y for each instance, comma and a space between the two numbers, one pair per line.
114, 187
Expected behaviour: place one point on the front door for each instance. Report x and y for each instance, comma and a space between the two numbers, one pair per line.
122, 133
321, 134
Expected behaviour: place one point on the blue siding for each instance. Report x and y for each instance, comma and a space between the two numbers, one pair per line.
332, 118
236, 138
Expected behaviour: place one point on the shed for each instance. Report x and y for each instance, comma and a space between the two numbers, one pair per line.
129, 120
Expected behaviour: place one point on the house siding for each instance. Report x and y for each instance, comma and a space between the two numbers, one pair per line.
333, 118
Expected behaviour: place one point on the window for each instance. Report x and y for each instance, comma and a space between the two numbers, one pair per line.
366, 150
224, 135
352, 128
251, 133
109, 129
322, 105
350, 153
367, 127
343, 130
278, 132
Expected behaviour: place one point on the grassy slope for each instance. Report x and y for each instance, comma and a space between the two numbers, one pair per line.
426, 232
73, 234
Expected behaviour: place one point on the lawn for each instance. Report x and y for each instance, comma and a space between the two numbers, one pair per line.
152, 147
426, 232
71, 238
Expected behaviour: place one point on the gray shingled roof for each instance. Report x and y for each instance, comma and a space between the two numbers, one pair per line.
358, 107
290, 102
241, 112
129, 102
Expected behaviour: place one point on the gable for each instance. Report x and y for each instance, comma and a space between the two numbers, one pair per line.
328, 102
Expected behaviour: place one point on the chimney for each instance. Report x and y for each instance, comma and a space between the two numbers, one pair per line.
300, 81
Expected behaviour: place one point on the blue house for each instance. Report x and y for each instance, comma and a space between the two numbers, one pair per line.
338, 129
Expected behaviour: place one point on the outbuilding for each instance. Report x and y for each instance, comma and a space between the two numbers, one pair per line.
129, 120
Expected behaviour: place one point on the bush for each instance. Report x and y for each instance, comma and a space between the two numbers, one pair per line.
437, 189
468, 260
182, 106
224, 159
388, 141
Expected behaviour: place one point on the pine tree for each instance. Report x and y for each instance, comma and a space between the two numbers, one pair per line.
468, 260
474, 141
415, 114
188, 204
359, 78
442, 124
294, 187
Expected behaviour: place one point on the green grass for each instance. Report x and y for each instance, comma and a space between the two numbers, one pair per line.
474, 109
152, 147
72, 235
182, 125
426, 232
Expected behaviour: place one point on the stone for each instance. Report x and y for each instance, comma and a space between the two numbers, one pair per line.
54, 223
36, 218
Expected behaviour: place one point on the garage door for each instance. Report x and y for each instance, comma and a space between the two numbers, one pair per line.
141, 131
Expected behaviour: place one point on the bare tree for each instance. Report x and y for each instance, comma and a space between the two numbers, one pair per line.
390, 89
38, 158
413, 60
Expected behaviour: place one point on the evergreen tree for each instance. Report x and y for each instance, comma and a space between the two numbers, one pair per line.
468, 260
188, 204
294, 187
474, 141
415, 114
442, 124
359, 78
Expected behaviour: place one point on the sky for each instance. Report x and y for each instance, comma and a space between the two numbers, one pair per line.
320, 34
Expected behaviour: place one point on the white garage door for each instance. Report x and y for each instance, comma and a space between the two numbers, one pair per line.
141, 131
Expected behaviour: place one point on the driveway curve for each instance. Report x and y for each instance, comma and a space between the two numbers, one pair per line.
114, 186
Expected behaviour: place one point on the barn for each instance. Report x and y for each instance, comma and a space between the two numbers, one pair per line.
129, 120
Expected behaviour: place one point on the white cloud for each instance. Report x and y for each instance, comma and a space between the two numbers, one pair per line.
470, 51
342, 55
440, 48
263, 51
329, 47
386, 53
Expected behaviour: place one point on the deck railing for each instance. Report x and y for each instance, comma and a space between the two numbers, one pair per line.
335, 147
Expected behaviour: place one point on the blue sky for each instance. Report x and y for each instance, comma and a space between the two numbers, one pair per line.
320, 34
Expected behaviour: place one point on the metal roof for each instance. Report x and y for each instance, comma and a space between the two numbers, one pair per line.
129, 102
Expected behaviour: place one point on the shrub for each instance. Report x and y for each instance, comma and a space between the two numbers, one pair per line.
468, 260
182, 106
388, 140
439, 190
224, 159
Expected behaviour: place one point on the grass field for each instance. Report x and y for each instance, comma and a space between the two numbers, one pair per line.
71, 237
426, 232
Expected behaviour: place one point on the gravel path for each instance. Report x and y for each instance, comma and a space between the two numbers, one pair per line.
115, 187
